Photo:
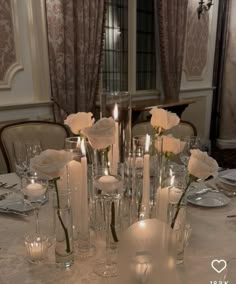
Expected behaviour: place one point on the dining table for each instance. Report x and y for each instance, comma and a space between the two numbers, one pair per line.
212, 240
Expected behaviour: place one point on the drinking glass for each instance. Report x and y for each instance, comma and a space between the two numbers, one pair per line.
108, 189
192, 142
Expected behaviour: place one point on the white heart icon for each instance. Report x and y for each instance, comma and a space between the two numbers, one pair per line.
218, 265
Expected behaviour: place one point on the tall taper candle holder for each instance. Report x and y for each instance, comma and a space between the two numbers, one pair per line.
79, 174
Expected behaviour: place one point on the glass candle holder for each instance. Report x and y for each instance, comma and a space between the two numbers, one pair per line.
146, 170
108, 189
118, 106
79, 182
36, 247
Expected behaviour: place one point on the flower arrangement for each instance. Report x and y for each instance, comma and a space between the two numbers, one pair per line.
200, 166
162, 119
50, 164
102, 134
79, 121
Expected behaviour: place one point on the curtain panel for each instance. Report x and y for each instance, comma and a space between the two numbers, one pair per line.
75, 35
170, 30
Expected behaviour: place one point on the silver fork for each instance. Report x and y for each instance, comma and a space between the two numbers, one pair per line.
6, 185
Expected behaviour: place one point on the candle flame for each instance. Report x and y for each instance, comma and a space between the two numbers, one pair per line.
172, 179
115, 112
78, 142
142, 224
83, 148
147, 143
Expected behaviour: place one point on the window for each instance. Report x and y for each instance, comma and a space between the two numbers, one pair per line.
129, 62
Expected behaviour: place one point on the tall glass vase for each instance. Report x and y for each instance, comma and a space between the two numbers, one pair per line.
146, 170
108, 189
79, 180
118, 106
102, 167
64, 252
176, 212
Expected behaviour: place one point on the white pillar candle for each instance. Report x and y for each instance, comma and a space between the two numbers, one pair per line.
146, 179
163, 201
74, 184
115, 146
84, 208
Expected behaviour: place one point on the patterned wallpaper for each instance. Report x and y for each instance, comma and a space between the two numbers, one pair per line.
7, 43
197, 41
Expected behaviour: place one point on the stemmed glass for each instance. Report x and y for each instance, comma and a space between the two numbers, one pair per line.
23, 152
34, 189
33, 148
109, 189
20, 158
192, 142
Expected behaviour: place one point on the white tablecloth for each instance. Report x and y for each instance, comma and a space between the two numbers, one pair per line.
213, 237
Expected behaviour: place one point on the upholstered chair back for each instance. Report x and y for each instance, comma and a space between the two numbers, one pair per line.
51, 135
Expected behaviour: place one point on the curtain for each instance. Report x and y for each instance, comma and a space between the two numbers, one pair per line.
75, 35
170, 29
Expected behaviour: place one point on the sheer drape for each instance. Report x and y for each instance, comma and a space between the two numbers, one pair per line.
170, 29
75, 32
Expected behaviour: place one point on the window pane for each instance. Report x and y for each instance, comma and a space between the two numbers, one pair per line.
145, 53
115, 59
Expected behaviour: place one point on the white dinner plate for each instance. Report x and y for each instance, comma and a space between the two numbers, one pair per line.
15, 203
208, 199
224, 180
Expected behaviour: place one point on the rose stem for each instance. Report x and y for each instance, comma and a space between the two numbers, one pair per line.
112, 225
59, 217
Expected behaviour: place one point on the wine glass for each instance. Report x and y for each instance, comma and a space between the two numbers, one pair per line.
34, 189
20, 158
109, 189
33, 148
192, 142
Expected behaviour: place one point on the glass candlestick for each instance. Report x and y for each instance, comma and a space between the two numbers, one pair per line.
108, 189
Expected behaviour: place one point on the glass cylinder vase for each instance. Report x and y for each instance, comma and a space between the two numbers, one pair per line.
118, 106
176, 209
79, 182
102, 167
64, 252
146, 170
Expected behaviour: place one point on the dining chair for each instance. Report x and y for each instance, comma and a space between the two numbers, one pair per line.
183, 129
51, 135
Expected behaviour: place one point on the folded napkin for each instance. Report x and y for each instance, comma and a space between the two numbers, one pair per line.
215, 183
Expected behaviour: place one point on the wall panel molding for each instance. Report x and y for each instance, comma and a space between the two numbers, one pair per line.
10, 55
196, 44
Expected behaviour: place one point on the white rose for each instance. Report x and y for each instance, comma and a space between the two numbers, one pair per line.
79, 121
101, 134
172, 145
201, 165
50, 163
163, 119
